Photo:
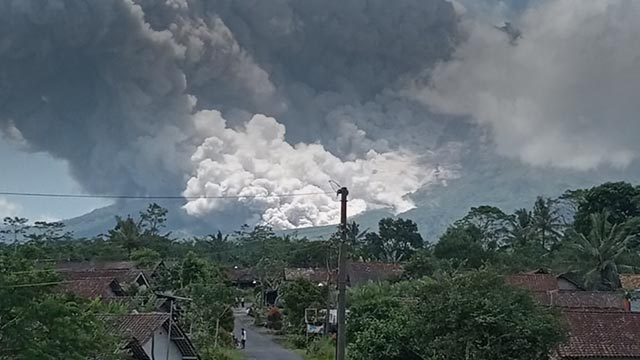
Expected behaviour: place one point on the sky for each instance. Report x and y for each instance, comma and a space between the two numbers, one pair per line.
227, 102
38, 172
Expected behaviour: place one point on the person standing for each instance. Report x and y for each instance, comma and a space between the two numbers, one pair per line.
243, 338
242, 302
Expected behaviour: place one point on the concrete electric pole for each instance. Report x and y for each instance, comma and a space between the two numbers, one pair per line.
342, 278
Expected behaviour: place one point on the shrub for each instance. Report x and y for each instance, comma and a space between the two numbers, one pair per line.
274, 319
298, 341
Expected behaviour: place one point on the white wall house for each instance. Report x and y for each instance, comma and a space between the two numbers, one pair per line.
148, 334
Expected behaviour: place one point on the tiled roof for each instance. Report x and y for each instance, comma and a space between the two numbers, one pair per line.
533, 282
140, 328
123, 276
101, 287
361, 272
96, 265
630, 281
588, 299
316, 275
136, 326
601, 335
241, 275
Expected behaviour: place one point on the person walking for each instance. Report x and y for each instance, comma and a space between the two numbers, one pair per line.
243, 338
242, 302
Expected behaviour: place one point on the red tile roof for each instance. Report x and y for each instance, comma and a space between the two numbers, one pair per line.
136, 326
140, 328
588, 299
316, 275
533, 282
601, 335
95, 265
362, 272
123, 276
102, 287
241, 275
630, 281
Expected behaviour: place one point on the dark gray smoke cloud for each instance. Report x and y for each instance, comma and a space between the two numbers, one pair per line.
89, 82
113, 86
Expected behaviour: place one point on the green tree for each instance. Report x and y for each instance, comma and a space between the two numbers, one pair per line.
37, 323
621, 200
127, 234
145, 258
470, 316
15, 229
492, 223
299, 295
521, 232
463, 246
153, 219
421, 264
597, 255
546, 223
397, 240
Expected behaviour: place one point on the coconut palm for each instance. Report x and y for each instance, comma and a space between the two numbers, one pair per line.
546, 222
598, 254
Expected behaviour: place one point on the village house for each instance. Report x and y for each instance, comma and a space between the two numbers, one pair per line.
243, 278
94, 288
124, 276
600, 335
147, 336
564, 292
318, 276
81, 266
358, 273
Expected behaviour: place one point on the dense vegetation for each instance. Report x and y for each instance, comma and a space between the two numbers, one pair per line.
451, 302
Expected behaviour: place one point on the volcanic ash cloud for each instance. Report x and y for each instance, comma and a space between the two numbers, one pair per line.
255, 160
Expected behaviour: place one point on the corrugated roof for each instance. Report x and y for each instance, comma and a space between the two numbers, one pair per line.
601, 335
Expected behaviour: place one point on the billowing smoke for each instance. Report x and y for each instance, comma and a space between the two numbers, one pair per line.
121, 90
90, 82
564, 95
257, 161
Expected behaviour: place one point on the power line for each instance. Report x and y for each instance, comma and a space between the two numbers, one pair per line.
156, 197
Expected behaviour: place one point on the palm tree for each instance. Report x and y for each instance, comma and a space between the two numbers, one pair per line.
546, 222
598, 254
520, 232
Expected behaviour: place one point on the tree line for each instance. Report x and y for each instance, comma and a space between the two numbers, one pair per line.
591, 234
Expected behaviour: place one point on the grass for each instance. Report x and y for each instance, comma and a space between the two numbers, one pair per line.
233, 354
322, 349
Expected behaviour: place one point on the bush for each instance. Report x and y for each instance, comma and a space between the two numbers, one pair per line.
274, 319
321, 348
210, 353
298, 341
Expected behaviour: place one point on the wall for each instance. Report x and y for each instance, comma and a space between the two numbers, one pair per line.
160, 347
566, 285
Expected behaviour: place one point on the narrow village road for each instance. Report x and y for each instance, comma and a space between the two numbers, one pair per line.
260, 346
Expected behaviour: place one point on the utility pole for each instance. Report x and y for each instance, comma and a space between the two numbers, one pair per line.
328, 307
342, 278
